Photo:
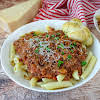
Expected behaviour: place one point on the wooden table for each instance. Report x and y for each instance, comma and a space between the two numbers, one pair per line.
9, 90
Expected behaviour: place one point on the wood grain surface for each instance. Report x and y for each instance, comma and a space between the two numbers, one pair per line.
9, 90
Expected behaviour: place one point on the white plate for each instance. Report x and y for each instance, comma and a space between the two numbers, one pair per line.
95, 20
41, 25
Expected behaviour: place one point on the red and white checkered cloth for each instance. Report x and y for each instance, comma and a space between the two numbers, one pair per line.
68, 9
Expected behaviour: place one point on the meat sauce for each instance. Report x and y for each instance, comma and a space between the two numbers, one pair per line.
50, 54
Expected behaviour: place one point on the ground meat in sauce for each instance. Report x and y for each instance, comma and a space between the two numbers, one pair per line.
50, 54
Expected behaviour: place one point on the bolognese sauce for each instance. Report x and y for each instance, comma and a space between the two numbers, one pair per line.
50, 54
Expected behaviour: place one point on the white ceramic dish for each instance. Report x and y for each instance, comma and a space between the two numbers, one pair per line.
41, 25
95, 20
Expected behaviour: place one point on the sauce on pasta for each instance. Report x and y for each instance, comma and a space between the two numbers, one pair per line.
50, 53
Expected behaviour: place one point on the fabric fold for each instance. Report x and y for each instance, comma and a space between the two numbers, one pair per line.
68, 9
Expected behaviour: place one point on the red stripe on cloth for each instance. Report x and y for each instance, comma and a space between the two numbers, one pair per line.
96, 3
78, 9
55, 13
72, 2
81, 6
54, 6
84, 6
88, 7
73, 10
87, 2
60, 3
44, 16
37, 18
81, 11
60, 11
67, 9
91, 21
68, 4
50, 14
91, 14
87, 19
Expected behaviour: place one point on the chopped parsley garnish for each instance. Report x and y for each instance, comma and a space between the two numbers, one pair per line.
40, 46
61, 45
40, 36
38, 40
58, 34
47, 35
71, 50
58, 47
34, 34
74, 44
65, 36
69, 57
52, 35
83, 63
37, 50
56, 38
60, 63
48, 49
71, 46
62, 52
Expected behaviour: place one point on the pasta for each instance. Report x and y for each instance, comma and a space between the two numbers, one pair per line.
51, 84
56, 85
46, 80
63, 71
87, 60
16, 59
89, 67
39, 83
75, 75
24, 67
60, 77
73, 81
17, 67
12, 54
33, 81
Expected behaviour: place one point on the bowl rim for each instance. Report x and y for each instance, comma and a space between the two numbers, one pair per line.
39, 90
95, 20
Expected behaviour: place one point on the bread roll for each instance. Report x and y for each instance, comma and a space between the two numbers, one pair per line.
74, 29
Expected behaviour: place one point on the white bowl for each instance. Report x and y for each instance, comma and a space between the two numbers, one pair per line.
95, 20
41, 25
